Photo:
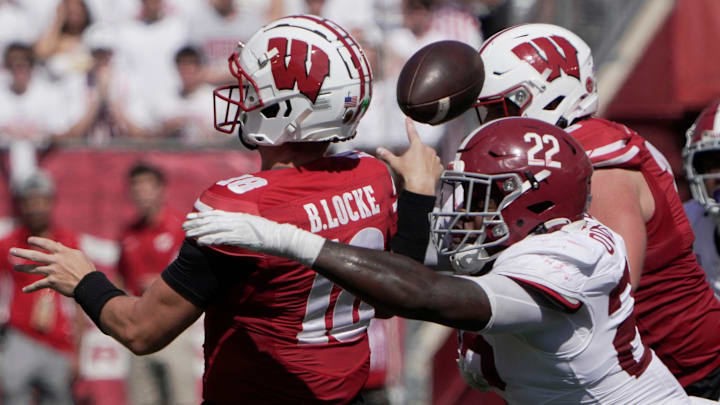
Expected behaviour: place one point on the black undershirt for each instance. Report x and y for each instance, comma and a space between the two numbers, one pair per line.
200, 274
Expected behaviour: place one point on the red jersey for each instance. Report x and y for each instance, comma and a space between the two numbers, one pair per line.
677, 313
147, 248
287, 335
45, 316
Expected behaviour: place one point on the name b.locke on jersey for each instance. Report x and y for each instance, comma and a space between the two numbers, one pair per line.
342, 208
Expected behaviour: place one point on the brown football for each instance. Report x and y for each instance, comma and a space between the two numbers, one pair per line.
440, 81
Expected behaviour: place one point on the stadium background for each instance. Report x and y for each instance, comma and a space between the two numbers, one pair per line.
657, 67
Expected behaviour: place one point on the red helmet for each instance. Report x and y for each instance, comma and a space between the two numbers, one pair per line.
702, 157
519, 176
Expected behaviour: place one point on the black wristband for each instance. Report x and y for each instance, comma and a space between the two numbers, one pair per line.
413, 232
422, 202
93, 292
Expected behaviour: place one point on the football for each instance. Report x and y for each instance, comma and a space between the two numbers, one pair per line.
440, 81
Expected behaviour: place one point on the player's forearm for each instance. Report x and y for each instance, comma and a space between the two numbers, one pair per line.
112, 311
400, 286
391, 282
143, 324
126, 321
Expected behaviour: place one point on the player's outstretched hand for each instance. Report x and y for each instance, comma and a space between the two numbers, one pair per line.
254, 233
62, 266
419, 166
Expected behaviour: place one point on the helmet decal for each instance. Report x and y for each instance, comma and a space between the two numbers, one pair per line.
299, 79
540, 71
552, 60
308, 82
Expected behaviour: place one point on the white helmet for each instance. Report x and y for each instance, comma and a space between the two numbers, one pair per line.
701, 155
299, 79
543, 70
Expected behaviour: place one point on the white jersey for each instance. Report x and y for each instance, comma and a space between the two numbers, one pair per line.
568, 335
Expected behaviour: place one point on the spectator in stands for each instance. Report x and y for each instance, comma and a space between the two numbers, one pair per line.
39, 350
459, 19
148, 245
427, 21
186, 114
96, 104
145, 53
31, 107
702, 167
23, 20
61, 47
114, 12
183, 114
216, 26
362, 15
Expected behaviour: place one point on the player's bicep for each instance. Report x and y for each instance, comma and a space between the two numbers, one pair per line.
617, 204
514, 308
455, 302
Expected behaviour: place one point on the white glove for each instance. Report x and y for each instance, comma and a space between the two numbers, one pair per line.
254, 233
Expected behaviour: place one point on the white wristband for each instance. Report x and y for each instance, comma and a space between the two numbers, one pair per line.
298, 244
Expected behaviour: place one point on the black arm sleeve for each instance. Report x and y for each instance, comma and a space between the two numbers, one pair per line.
197, 274
413, 234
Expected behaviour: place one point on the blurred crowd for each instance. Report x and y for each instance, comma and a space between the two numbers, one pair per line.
97, 71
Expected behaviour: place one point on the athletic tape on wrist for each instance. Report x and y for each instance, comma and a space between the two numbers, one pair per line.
300, 245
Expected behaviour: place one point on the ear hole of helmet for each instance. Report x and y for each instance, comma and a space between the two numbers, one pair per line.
491, 110
288, 110
551, 106
539, 208
271, 111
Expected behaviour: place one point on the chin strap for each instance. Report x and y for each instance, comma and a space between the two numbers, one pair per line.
470, 261
243, 141
550, 226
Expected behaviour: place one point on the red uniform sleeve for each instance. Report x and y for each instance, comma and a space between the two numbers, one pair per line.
218, 197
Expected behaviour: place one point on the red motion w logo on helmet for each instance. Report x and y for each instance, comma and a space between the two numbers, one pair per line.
553, 60
308, 83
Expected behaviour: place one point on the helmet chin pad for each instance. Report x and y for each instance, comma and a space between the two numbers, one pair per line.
470, 261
